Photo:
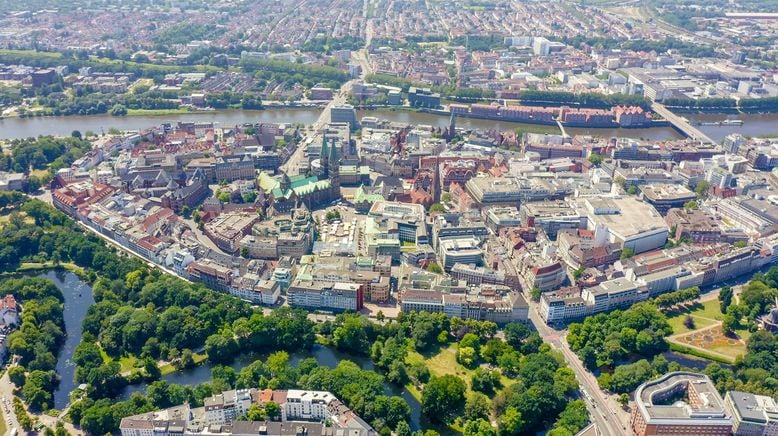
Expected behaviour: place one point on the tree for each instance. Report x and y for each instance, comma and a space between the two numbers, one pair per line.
255, 413
76, 134
272, 410
250, 197
477, 406
17, 376
628, 377
624, 399
38, 388
627, 252
574, 418
443, 398
484, 380
434, 267
118, 110
516, 333
725, 298
478, 427
702, 188
403, 429
186, 360
466, 355
151, 369
535, 293
352, 334
691, 204
595, 159
437, 207
578, 273
244, 252
730, 323
332, 215
220, 348
688, 322
511, 422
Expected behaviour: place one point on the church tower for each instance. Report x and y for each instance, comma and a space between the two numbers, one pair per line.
334, 167
324, 156
452, 127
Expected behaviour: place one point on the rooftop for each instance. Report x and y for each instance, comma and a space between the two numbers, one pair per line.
667, 191
625, 216
704, 406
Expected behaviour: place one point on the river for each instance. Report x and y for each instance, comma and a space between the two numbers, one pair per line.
754, 124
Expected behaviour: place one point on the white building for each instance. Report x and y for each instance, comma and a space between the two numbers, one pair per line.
630, 222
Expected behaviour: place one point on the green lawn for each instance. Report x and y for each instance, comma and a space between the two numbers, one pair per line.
134, 112
126, 363
704, 314
32, 266
445, 362
441, 363
168, 368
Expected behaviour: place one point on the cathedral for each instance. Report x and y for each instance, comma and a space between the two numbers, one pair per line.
282, 192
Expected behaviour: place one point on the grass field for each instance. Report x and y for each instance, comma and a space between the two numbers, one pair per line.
168, 368
706, 336
704, 314
141, 112
445, 362
32, 266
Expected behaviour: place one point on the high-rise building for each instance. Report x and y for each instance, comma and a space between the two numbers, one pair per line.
344, 114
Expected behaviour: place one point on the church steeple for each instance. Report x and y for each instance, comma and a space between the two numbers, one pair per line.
333, 167
452, 127
324, 156
285, 182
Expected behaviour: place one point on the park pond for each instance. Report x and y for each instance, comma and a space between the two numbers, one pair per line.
78, 297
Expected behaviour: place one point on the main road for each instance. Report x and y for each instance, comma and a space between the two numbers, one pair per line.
681, 123
338, 99
609, 417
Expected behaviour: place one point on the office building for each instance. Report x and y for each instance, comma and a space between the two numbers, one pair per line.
680, 403
630, 222
344, 114
752, 415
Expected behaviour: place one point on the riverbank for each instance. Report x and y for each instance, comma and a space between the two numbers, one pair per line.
753, 125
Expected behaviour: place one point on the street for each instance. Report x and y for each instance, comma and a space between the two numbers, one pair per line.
291, 164
6, 394
607, 414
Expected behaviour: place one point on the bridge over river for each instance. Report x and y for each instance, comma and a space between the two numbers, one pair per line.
681, 124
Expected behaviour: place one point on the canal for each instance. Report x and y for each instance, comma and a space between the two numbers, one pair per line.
77, 300
325, 356
753, 124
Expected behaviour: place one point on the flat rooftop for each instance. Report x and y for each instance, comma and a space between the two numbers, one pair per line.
632, 216
667, 191
707, 410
